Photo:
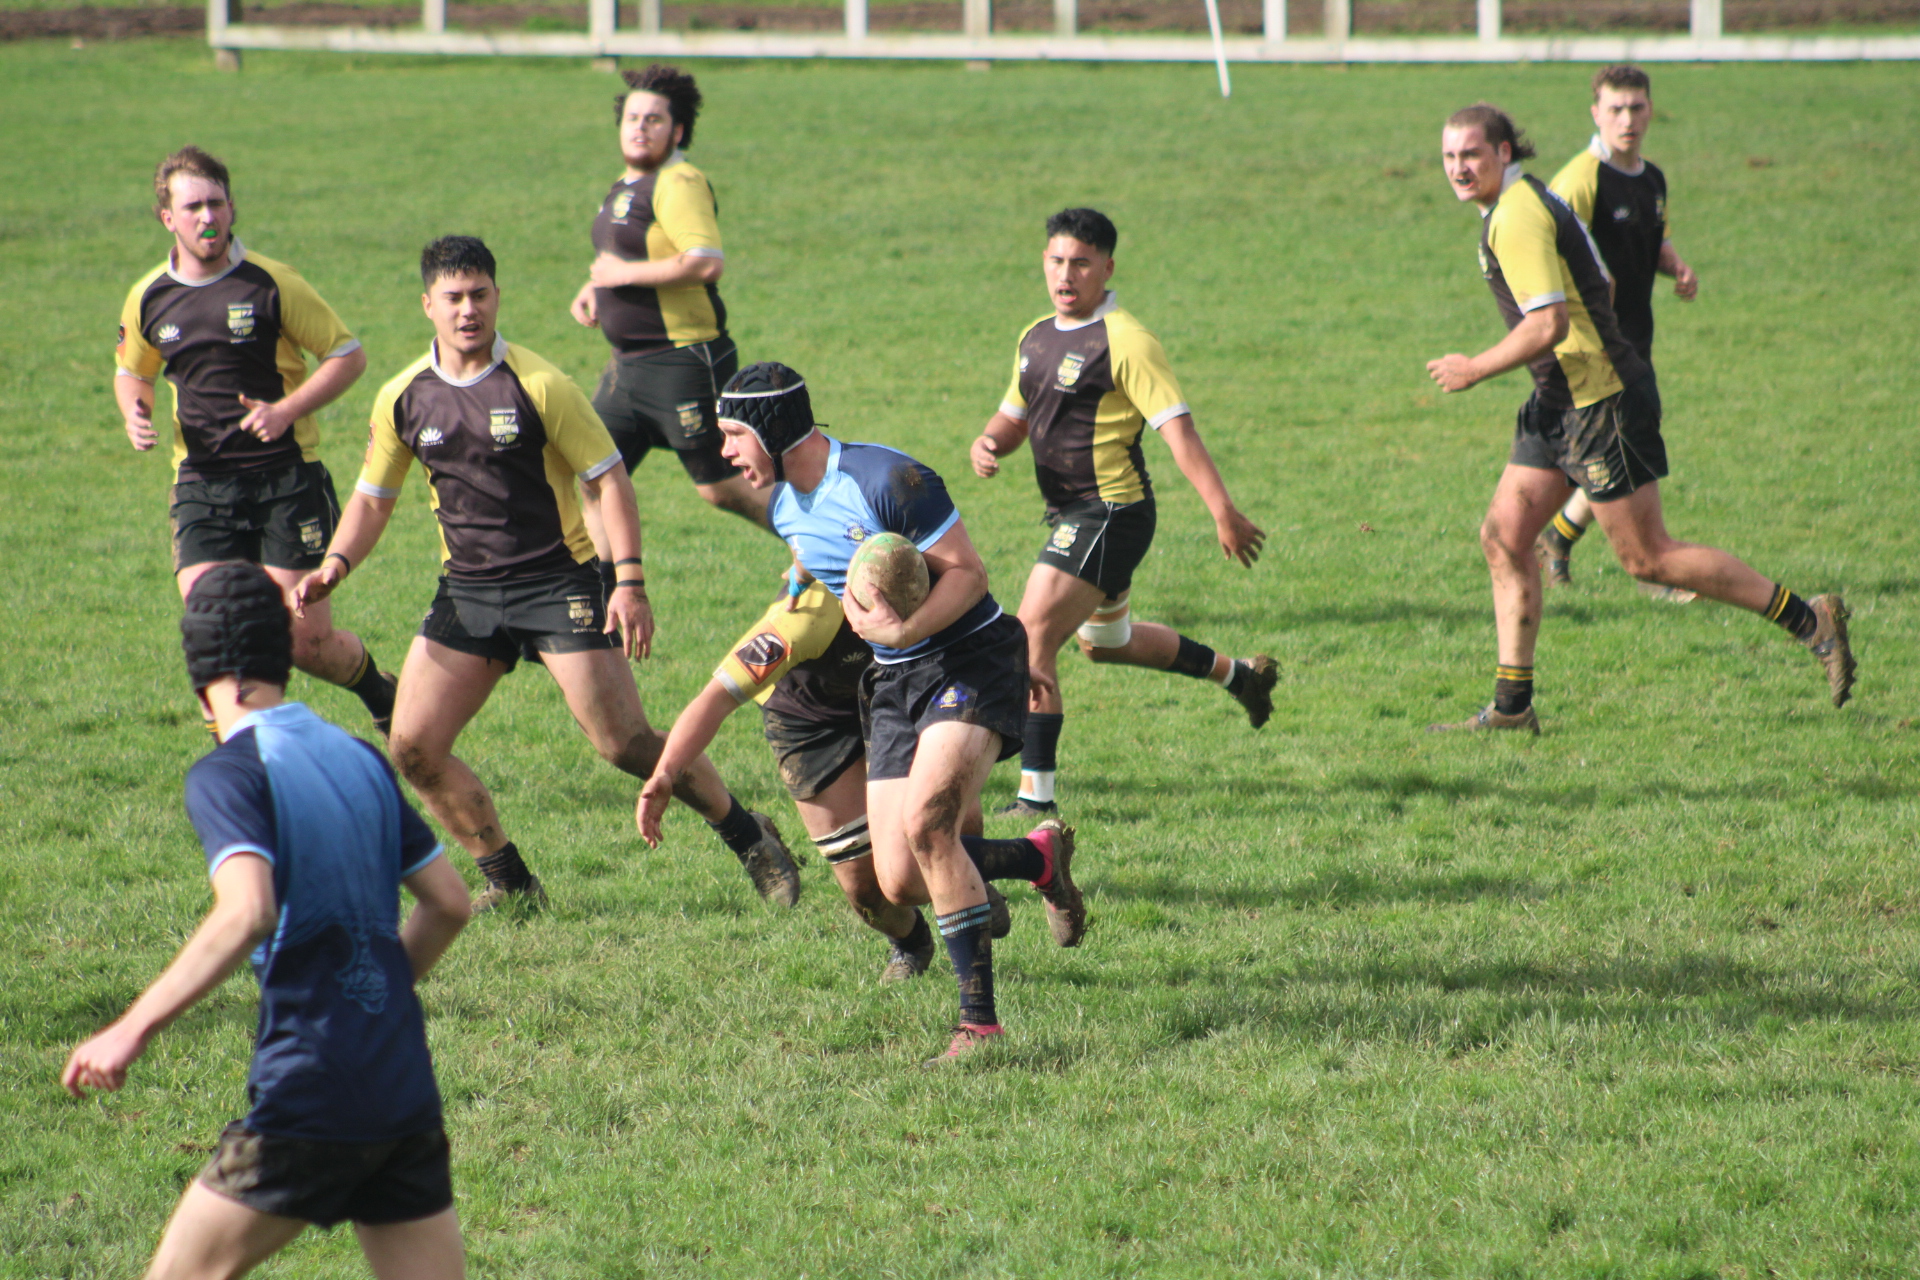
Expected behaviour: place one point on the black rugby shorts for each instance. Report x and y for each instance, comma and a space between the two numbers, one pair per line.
1609, 448
668, 399
979, 679
283, 517
563, 612
373, 1183
1100, 542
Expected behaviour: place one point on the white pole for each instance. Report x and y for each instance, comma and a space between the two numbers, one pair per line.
1219, 47
856, 19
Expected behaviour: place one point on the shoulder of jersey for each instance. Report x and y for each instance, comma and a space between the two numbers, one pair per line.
390, 389
686, 171
1035, 325
146, 281
273, 266
1581, 168
1121, 320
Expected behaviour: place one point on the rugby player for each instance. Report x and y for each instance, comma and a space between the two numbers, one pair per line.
1087, 380
504, 436
308, 842
946, 695
1593, 422
1621, 197
654, 293
228, 328
803, 664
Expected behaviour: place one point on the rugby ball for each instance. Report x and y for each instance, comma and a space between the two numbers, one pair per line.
890, 567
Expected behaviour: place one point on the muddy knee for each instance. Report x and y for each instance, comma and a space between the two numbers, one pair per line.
637, 756
421, 769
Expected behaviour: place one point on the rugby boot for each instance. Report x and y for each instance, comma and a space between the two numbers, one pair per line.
1000, 923
770, 865
1256, 687
1025, 808
1829, 644
1066, 909
906, 962
967, 1040
383, 725
1488, 718
497, 897
1558, 564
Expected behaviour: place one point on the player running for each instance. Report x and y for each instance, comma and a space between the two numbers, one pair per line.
947, 693
1621, 198
504, 437
654, 294
1593, 422
1087, 380
803, 664
308, 842
229, 329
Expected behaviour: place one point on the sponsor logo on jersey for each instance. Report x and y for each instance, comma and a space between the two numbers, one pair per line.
1623, 213
504, 426
311, 539
1063, 536
580, 612
690, 419
431, 436
168, 333
953, 697
1599, 474
1069, 371
762, 654
621, 203
857, 533
240, 319
1660, 208
1023, 362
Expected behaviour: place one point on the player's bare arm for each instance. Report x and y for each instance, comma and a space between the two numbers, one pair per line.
1686, 285
1001, 436
243, 916
1240, 538
611, 272
269, 420
1538, 332
959, 583
628, 610
361, 524
442, 907
695, 728
135, 398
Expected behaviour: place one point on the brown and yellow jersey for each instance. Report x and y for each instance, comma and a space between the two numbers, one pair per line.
805, 661
660, 215
1627, 215
243, 332
1086, 390
502, 451
1534, 251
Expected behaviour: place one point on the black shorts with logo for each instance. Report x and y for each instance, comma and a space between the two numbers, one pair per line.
813, 751
1100, 542
1610, 448
284, 517
373, 1183
979, 679
561, 612
668, 399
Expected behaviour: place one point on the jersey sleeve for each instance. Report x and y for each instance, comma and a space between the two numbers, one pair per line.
914, 503
781, 640
572, 426
230, 802
385, 467
1014, 404
1141, 371
1522, 238
309, 321
131, 353
1577, 183
684, 208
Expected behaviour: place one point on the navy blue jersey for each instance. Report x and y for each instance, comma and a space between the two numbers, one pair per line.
341, 1051
871, 489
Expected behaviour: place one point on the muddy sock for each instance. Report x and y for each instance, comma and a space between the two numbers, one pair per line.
1193, 659
504, 868
970, 947
917, 937
738, 828
1005, 859
1238, 676
371, 687
1792, 613
1561, 533
1512, 689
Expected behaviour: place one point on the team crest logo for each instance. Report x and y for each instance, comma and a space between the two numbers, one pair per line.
857, 533
1486, 263
1622, 214
1599, 474
580, 612
168, 333
1063, 536
310, 538
622, 203
1069, 371
762, 654
431, 436
240, 319
504, 426
690, 421
1023, 362
1660, 208
953, 697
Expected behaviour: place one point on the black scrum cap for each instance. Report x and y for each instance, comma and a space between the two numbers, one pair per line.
770, 400
236, 624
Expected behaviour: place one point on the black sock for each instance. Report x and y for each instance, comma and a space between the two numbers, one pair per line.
917, 937
1238, 673
1793, 613
1561, 533
1040, 748
371, 687
1193, 659
738, 828
1512, 689
1005, 859
608, 575
504, 868
970, 947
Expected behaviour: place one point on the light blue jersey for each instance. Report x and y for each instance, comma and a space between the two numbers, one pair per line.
871, 489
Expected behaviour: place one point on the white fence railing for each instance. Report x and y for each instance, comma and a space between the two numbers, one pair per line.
1704, 41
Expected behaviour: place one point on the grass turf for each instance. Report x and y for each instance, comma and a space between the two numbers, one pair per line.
1633, 999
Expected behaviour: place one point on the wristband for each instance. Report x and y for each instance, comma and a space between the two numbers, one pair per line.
793, 583
627, 560
335, 555
638, 584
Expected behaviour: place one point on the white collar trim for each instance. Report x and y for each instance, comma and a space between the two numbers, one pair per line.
1108, 305
236, 254
1600, 149
433, 358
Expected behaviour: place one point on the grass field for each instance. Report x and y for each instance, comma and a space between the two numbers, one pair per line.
1635, 999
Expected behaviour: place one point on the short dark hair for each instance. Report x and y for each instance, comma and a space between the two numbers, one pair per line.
1621, 75
188, 160
1496, 125
1088, 226
456, 256
236, 624
678, 88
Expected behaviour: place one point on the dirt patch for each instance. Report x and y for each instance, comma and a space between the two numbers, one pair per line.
1239, 17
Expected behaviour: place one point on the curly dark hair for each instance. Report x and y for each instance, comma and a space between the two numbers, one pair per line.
1496, 125
1088, 226
456, 256
678, 88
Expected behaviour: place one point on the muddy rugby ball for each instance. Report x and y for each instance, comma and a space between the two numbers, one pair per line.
890, 567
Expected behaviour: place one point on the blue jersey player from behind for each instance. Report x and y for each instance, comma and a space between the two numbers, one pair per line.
946, 696
308, 842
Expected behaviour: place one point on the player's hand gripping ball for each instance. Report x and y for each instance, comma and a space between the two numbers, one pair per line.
890, 567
